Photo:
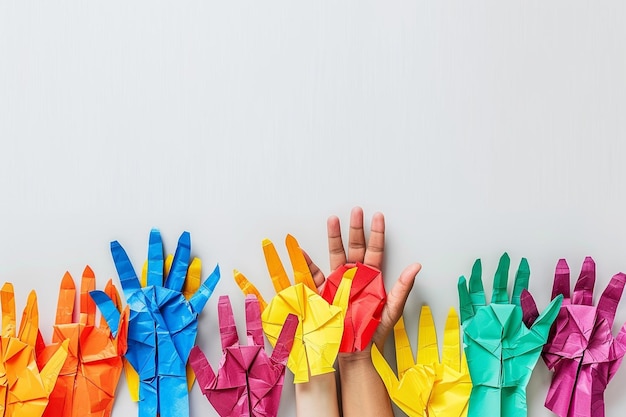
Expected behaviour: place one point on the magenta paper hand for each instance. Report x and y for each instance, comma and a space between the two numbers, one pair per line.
581, 349
248, 382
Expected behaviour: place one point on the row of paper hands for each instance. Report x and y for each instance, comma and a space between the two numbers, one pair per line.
155, 333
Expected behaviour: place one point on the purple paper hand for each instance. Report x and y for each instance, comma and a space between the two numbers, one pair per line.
581, 349
248, 382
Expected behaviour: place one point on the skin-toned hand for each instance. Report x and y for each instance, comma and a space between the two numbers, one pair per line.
363, 392
370, 253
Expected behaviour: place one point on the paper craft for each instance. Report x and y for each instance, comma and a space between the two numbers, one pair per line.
248, 382
581, 349
428, 387
320, 326
501, 350
163, 324
88, 379
191, 285
24, 389
367, 299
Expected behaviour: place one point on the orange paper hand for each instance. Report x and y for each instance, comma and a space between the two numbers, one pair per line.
24, 390
86, 385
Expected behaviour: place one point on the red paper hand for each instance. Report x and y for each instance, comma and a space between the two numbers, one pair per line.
367, 299
248, 382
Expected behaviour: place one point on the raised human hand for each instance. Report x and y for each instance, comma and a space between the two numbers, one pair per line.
429, 386
163, 324
88, 379
248, 381
371, 315
320, 325
501, 350
24, 388
581, 350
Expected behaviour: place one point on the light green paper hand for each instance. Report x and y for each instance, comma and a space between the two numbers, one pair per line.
501, 351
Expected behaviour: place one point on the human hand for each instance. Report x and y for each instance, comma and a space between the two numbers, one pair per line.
88, 379
162, 326
24, 388
368, 308
248, 382
501, 350
320, 324
428, 387
581, 349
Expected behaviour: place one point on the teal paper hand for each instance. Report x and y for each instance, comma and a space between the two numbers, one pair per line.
501, 351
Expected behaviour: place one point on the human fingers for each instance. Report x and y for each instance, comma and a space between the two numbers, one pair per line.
336, 252
376, 244
356, 237
316, 272
396, 298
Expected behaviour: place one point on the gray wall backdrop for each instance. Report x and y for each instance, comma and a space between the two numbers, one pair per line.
476, 127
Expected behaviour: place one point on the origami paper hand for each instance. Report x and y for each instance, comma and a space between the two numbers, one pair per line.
581, 350
163, 325
320, 326
88, 379
501, 351
367, 299
248, 382
24, 390
428, 387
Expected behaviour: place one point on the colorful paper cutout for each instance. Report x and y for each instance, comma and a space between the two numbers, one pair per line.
88, 379
501, 350
581, 350
24, 389
428, 386
248, 382
163, 325
367, 299
320, 326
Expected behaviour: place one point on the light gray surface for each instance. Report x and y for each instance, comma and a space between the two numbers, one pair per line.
476, 127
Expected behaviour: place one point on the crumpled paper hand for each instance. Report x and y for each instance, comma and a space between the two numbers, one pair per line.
501, 350
24, 389
428, 387
367, 299
581, 349
163, 324
248, 382
88, 379
320, 326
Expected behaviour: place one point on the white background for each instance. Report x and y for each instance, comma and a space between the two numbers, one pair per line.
476, 127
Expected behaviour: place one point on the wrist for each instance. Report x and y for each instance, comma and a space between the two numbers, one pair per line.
317, 397
354, 360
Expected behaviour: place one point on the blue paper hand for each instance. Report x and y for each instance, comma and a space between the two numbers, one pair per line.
163, 325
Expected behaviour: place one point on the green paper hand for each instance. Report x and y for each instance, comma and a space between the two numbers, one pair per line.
501, 351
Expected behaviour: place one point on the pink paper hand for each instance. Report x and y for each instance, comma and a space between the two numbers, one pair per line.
248, 382
581, 349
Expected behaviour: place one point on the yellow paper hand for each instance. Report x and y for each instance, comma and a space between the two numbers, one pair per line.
320, 327
24, 390
428, 387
